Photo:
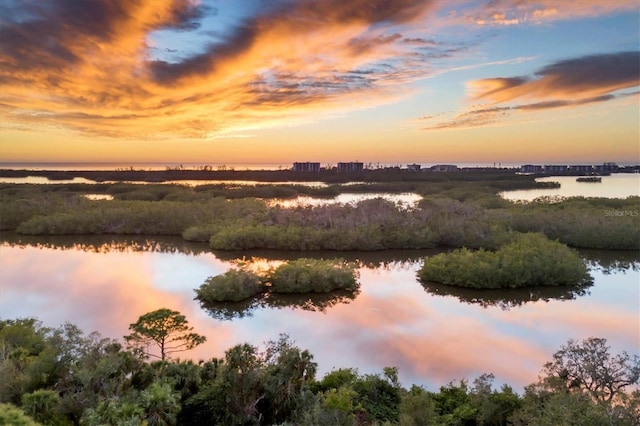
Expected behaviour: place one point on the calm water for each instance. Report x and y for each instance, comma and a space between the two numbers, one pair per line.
618, 185
191, 183
44, 180
434, 335
405, 199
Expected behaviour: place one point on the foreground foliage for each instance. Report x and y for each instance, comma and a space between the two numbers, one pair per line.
63, 377
529, 260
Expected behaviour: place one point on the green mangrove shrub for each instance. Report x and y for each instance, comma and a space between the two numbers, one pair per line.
232, 286
529, 260
454, 213
298, 276
306, 275
598, 223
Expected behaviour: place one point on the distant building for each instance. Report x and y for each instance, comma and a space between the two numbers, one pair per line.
531, 168
306, 167
554, 168
350, 167
444, 168
606, 167
414, 167
581, 168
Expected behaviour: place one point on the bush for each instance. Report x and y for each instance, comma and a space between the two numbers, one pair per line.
199, 233
598, 223
298, 276
529, 260
42, 406
233, 286
12, 415
312, 275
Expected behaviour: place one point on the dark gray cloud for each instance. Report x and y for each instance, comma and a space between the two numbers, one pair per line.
363, 11
604, 70
363, 45
239, 41
298, 16
567, 83
592, 74
420, 41
43, 35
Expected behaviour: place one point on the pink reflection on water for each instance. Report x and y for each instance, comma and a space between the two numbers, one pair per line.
393, 322
429, 342
102, 292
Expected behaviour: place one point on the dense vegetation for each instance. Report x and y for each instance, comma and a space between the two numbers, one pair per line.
529, 260
302, 275
164, 331
61, 376
232, 286
227, 174
455, 213
306, 275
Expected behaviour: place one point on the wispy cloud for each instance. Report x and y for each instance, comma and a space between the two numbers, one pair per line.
88, 67
95, 67
514, 12
567, 83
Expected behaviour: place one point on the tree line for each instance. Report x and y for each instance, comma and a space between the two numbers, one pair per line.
62, 376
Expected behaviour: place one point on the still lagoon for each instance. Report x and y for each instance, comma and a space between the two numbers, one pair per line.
617, 185
432, 334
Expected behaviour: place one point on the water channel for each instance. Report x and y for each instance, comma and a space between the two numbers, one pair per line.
433, 334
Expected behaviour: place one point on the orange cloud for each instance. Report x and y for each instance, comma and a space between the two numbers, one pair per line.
567, 83
513, 12
87, 67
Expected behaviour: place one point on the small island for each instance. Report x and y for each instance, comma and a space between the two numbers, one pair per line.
530, 259
303, 275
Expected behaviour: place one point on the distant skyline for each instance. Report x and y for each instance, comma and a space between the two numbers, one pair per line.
388, 81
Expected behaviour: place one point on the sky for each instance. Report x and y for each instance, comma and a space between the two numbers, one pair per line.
382, 81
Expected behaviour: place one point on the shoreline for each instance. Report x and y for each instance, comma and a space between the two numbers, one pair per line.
327, 176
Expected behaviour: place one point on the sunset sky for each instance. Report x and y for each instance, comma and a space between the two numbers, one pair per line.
257, 81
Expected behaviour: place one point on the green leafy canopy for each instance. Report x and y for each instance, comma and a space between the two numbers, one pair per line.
168, 330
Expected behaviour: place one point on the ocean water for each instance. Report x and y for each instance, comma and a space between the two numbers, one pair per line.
138, 166
97, 165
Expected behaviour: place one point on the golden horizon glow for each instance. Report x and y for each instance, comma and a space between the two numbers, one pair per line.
375, 81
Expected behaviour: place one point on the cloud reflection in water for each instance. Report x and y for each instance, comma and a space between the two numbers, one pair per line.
432, 338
